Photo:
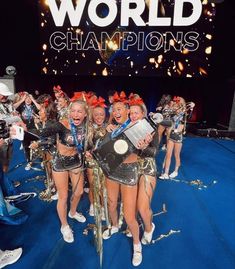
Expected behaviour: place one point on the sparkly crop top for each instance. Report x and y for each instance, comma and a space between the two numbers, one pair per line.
65, 135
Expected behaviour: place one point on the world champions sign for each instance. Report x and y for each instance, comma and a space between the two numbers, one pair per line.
126, 37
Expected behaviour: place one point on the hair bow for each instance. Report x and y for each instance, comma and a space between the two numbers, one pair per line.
57, 88
120, 97
136, 102
46, 102
78, 96
176, 99
98, 102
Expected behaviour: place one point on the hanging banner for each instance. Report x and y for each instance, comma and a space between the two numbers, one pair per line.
127, 37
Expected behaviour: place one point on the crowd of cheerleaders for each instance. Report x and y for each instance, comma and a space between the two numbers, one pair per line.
75, 128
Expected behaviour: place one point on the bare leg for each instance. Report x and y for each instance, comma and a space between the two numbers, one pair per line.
145, 193
113, 192
177, 150
129, 198
61, 182
77, 184
170, 147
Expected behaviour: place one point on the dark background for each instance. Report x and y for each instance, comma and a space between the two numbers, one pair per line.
20, 47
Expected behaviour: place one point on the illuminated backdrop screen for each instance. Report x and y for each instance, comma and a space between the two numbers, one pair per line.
127, 37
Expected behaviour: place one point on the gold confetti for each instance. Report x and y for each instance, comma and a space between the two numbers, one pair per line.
208, 36
44, 70
160, 58
208, 50
181, 66
172, 42
98, 61
202, 71
185, 51
105, 72
44, 46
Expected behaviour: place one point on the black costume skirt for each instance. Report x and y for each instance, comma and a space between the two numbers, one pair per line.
126, 173
66, 163
176, 137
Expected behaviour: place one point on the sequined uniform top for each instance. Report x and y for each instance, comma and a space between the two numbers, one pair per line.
65, 137
125, 173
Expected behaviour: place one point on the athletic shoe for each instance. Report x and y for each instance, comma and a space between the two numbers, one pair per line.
109, 232
67, 234
54, 197
91, 210
164, 176
77, 216
173, 175
147, 236
9, 256
137, 254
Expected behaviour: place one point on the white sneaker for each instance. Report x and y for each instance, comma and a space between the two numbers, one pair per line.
109, 232
173, 175
147, 236
77, 216
91, 210
67, 234
163, 147
54, 197
164, 176
9, 256
86, 190
137, 254
28, 167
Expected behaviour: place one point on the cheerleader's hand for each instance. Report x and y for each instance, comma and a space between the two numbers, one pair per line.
33, 145
88, 154
148, 139
141, 144
111, 128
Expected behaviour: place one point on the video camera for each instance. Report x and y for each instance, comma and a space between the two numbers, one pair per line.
5, 124
4, 130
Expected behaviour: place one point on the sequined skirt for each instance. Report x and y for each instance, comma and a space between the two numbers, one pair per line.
176, 137
126, 173
62, 163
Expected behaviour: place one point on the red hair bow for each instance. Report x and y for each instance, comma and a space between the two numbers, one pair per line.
46, 102
78, 96
176, 99
21, 94
57, 88
136, 102
98, 102
120, 97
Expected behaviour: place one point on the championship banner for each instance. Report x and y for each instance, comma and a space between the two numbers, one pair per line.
127, 37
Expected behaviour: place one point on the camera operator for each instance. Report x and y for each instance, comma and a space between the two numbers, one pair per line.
6, 110
6, 256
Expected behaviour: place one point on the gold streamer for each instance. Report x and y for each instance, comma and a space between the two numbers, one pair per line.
164, 236
196, 182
